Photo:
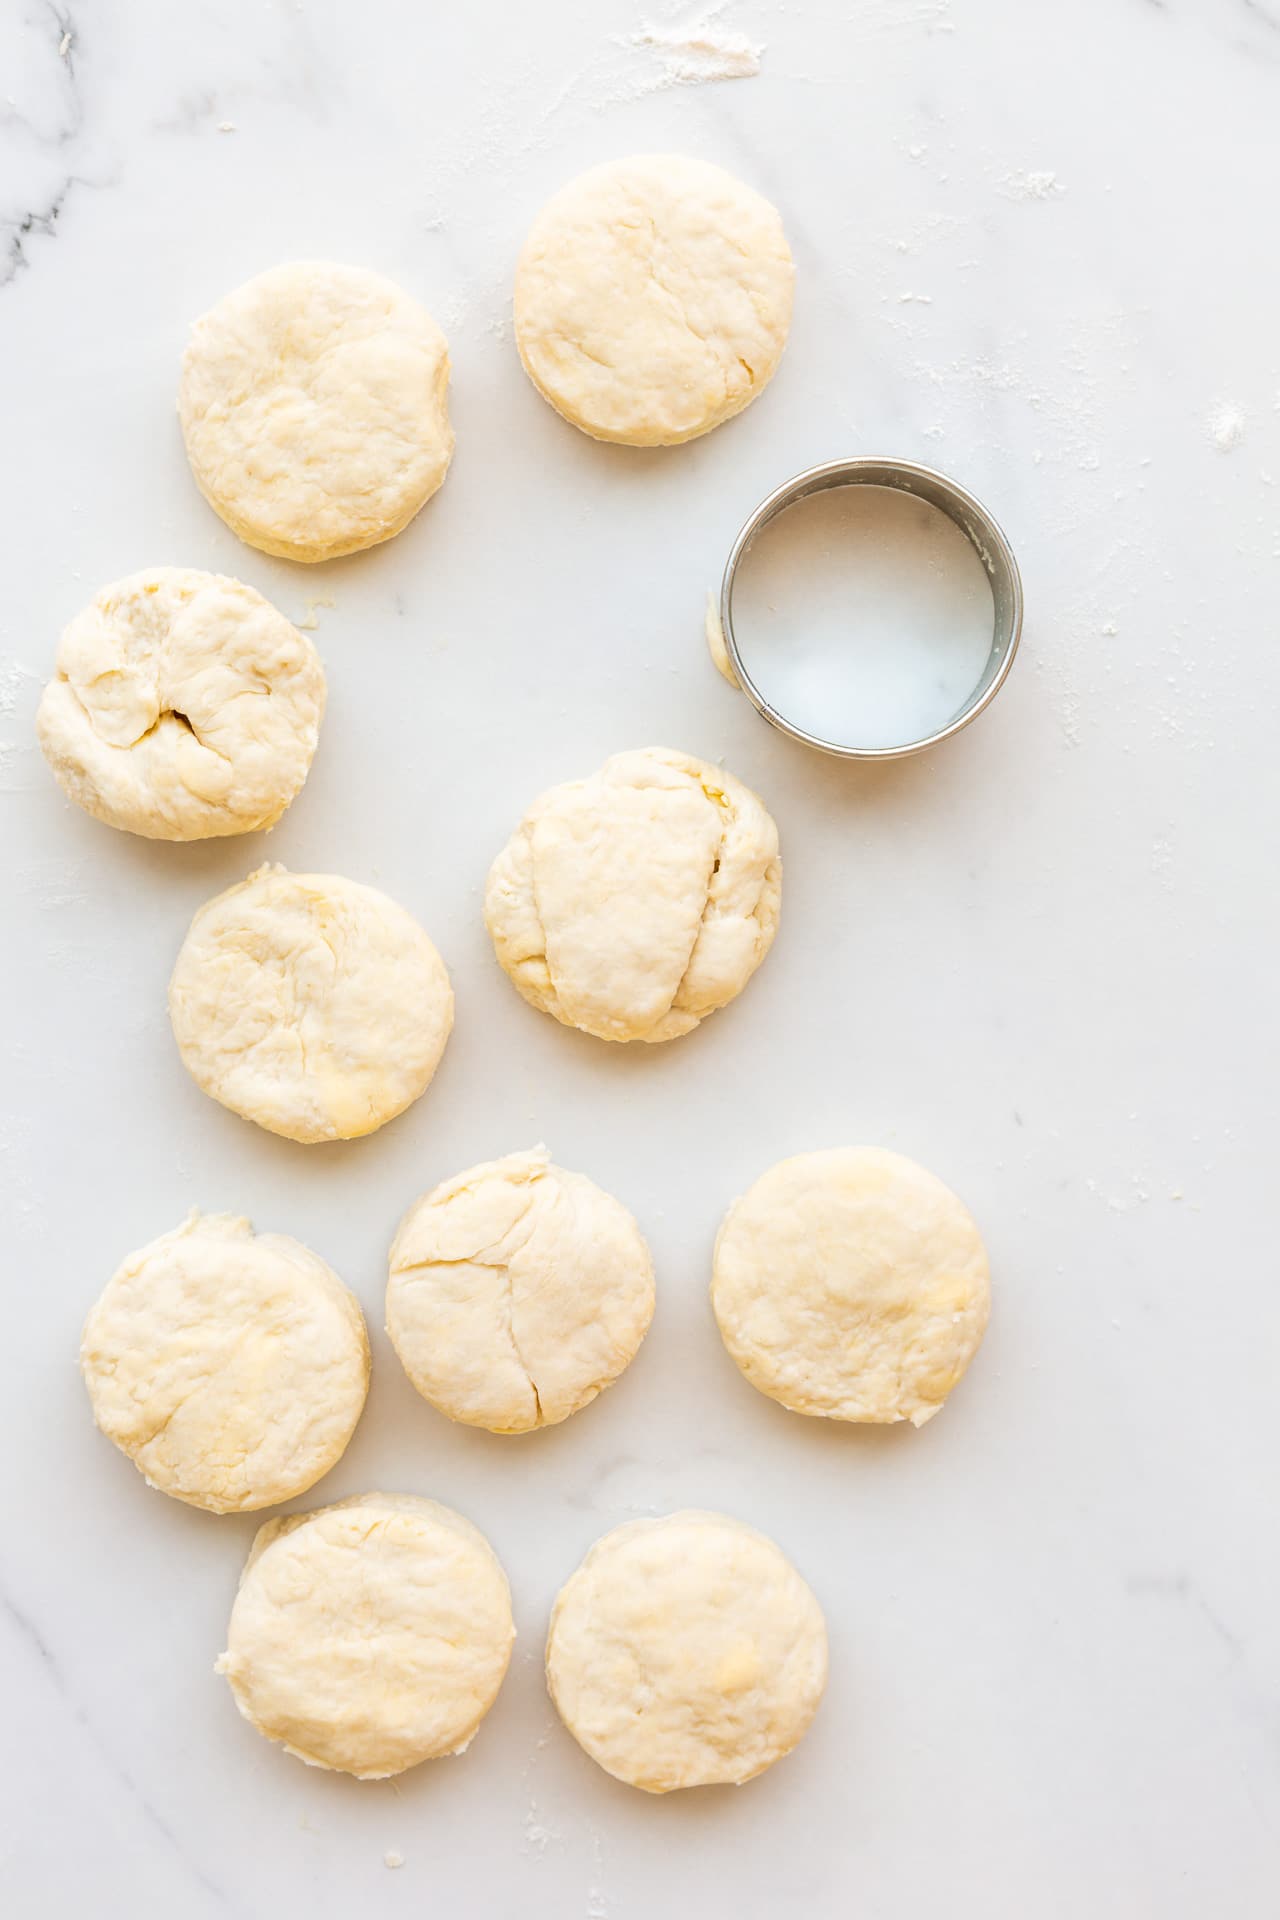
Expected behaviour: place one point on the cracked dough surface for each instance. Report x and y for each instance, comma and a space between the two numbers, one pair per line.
653, 299
314, 406
310, 1004
852, 1284
686, 1652
517, 1293
634, 903
231, 1367
369, 1635
183, 707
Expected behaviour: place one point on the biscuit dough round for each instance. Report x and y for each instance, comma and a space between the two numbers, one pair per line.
636, 902
184, 707
653, 299
851, 1284
310, 1004
686, 1652
370, 1635
314, 405
517, 1293
231, 1367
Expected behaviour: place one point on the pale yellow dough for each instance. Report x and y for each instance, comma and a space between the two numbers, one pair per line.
636, 902
851, 1284
517, 1293
716, 644
314, 405
183, 707
686, 1652
653, 299
231, 1367
369, 1635
310, 1004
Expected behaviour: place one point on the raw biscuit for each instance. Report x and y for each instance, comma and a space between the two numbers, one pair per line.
653, 299
369, 1635
634, 903
231, 1367
852, 1284
517, 1293
686, 1652
310, 1004
314, 405
183, 707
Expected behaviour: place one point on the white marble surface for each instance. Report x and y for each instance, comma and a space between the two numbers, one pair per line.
1036, 246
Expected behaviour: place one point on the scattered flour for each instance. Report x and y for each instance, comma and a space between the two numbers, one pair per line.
1162, 866
695, 51
536, 1833
1137, 1195
1225, 427
597, 1903
53, 884
455, 310
11, 679
9, 782
1034, 184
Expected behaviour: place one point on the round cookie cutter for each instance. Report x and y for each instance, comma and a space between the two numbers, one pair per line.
984, 535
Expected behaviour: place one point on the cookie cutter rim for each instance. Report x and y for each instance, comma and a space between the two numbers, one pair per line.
984, 534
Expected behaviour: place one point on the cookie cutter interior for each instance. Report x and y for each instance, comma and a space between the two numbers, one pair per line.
984, 535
